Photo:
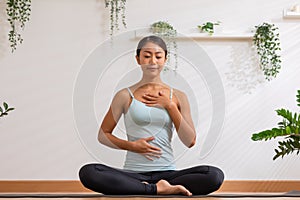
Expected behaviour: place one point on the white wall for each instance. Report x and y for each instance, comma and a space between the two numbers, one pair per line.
39, 140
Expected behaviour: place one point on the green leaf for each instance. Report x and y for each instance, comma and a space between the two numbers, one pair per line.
10, 109
288, 128
5, 106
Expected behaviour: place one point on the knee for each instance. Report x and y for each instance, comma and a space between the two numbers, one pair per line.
86, 173
217, 177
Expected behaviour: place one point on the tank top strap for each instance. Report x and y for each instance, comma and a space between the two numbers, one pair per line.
131, 94
171, 93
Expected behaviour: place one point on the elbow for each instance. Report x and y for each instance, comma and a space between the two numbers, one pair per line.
101, 137
192, 143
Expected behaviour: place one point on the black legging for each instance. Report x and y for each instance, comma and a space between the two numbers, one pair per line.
198, 180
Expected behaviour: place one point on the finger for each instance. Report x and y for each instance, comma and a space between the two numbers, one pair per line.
149, 139
149, 98
151, 156
155, 154
148, 157
152, 148
149, 102
155, 149
150, 95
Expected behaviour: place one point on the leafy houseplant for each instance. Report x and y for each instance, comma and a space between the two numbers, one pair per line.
4, 111
18, 12
169, 33
266, 41
117, 7
208, 27
289, 128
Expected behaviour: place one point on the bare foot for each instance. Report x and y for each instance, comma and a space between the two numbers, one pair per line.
164, 187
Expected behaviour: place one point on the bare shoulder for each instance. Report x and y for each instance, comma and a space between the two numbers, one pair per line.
122, 93
180, 95
121, 98
181, 99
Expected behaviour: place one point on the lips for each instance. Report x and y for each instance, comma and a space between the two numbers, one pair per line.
152, 67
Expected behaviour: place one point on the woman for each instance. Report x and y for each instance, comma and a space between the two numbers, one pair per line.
151, 109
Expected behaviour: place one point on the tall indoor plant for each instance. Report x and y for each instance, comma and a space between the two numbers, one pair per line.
288, 128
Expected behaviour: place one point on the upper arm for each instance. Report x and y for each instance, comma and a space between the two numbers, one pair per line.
184, 107
115, 111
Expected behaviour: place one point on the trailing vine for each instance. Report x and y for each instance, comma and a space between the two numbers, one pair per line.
169, 33
266, 41
289, 128
117, 8
18, 13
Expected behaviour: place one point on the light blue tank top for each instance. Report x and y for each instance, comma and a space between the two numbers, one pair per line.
142, 121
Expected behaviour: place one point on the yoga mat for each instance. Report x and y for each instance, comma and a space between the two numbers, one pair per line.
233, 195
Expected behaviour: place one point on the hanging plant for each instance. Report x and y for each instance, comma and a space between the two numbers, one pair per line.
169, 33
18, 13
117, 8
266, 41
4, 111
289, 128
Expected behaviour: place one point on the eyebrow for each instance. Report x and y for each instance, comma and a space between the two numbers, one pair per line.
152, 52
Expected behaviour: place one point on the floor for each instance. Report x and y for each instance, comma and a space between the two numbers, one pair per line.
138, 198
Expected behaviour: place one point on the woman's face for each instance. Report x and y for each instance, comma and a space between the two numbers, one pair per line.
152, 58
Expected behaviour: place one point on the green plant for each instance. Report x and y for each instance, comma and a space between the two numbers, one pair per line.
267, 43
289, 128
18, 12
117, 7
208, 27
4, 111
169, 33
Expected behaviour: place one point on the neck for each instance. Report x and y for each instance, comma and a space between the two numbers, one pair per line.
147, 80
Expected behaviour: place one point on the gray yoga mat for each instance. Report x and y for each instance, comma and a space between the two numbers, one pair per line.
74, 195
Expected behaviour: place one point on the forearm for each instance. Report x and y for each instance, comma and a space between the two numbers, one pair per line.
112, 141
184, 130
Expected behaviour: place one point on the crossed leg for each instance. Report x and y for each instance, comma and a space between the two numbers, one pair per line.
197, 180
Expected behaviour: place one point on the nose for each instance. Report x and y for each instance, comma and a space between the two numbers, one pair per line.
153, 60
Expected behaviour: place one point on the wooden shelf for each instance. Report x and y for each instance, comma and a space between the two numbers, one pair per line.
219, 36
290, 14
206, 37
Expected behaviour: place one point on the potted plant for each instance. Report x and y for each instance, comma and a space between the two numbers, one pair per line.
288, 128
18, 13
267, 44
169, 33
116, 8
208, 27
4, 111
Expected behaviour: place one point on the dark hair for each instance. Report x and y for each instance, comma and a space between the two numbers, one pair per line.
154, 39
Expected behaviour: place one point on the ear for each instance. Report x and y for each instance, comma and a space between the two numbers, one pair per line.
138, 59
